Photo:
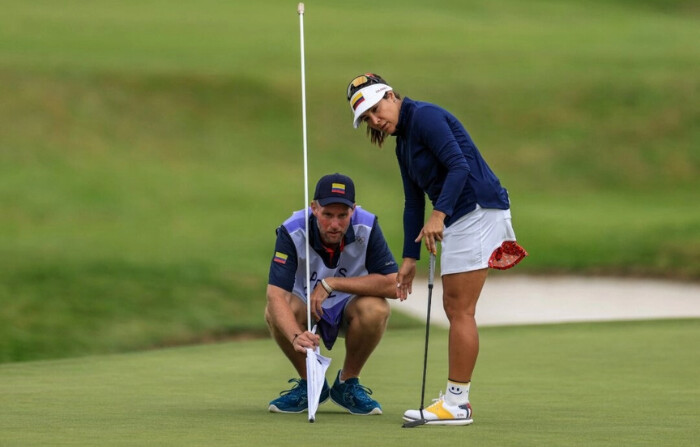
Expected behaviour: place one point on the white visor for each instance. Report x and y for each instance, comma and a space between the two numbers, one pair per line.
366, 98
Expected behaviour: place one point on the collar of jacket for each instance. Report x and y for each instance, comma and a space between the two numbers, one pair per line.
405, 113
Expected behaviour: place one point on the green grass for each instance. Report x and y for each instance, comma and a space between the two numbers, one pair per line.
604, 384
148, 152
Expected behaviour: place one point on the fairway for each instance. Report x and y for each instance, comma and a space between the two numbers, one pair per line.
606, 384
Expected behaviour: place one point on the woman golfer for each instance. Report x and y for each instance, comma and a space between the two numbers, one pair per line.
470, 217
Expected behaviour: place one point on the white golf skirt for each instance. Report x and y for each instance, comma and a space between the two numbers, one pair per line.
468, 243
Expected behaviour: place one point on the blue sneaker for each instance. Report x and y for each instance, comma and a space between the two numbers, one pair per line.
354, 397
295, 399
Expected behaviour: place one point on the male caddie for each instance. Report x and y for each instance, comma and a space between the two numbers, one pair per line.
352, 274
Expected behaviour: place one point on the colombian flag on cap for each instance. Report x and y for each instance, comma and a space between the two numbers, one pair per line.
280, 258
338, 188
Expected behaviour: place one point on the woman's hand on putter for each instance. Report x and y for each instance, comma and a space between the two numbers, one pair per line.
305, 340
404, 284
432, 231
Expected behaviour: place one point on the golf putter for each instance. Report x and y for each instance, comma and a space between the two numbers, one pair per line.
431, 274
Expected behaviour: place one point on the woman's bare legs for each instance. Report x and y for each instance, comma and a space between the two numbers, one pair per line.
460, 294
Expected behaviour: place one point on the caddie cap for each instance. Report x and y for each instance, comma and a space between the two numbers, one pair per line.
335, 188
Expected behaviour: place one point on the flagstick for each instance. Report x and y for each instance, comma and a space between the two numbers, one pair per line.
300, 10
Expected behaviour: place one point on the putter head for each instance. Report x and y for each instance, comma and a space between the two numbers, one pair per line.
416, 423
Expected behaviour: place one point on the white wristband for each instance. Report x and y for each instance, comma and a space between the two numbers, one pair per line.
328, 288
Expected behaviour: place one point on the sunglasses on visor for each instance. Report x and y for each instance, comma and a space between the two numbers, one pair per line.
363, 81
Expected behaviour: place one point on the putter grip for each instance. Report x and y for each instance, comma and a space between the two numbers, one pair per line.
431, 270
300, 8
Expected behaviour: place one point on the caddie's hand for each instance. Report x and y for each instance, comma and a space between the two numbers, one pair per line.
305, 340
318, 296
404, 278
432, 231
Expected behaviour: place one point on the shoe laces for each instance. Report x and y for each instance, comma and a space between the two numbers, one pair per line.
441, 397
360, 392
297, 387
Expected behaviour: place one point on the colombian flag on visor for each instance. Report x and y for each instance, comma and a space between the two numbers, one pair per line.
357, 100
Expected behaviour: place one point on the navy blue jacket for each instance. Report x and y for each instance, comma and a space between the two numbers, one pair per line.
437, 157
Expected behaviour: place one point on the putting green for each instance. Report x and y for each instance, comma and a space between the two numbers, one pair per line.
606, 384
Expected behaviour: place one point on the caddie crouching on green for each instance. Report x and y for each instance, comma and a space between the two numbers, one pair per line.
352, 274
